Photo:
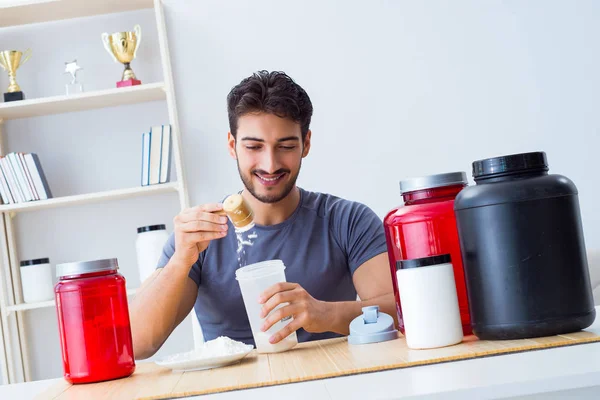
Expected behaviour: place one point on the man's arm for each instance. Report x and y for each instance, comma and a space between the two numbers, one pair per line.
360, 234
373, 284
163, 301
168, 295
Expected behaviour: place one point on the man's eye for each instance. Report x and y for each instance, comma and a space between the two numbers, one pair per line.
288, 147
253, 147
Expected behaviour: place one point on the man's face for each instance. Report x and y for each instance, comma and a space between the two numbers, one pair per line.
269, 152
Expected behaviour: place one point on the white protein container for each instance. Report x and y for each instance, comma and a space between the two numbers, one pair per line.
148, 246
429, 302
37, 280
255, 279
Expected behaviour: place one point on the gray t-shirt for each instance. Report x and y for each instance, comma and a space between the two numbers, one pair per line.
321, 244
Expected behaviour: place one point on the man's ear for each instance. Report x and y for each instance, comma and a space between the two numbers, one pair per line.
231, 145
306, 144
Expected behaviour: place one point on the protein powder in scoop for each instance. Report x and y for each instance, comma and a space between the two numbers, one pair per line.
239, 212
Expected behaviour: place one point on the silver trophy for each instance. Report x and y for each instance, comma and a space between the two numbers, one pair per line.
74, 86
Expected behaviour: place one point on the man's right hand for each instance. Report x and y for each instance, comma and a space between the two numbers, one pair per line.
168, 295
194, 229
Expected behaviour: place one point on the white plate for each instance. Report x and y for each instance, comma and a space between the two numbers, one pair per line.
192, 361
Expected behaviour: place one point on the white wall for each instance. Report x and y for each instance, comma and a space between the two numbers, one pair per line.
399, 89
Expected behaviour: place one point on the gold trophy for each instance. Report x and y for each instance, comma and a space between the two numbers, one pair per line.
123, 46
10, 60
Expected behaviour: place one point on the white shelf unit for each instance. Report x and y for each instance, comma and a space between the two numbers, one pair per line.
46, 304
21, 12
91, 197
82, 101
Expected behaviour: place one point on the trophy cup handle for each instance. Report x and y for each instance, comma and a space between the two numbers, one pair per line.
27, 54
138, 34
107, 46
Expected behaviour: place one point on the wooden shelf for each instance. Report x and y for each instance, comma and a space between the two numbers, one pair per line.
45, 304
82, 101
91, 197
21, 12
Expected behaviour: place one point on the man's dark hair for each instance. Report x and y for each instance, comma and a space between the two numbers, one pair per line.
269, 92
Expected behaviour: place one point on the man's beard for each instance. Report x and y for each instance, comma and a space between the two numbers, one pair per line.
269, 198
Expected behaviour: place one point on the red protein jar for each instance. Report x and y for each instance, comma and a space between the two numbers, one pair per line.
426, 226
93, 321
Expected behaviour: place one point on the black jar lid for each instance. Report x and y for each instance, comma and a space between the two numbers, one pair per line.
423, 262
149, 228
498, 166
35, 261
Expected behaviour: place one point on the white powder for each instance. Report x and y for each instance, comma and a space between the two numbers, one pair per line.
219, 347
244, 239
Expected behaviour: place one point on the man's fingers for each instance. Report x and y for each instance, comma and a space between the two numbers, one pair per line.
276, 288
278, 315
286, 331
211, 207
202, 226
198, 237
278, 298
202, 216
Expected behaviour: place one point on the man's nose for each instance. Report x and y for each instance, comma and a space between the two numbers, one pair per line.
270, 163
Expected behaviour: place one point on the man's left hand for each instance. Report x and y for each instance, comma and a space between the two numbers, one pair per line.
311, 314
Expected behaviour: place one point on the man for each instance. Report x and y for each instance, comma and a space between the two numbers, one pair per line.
333, 249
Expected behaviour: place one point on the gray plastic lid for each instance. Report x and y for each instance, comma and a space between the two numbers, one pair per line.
372, 327
433, 181
86, 267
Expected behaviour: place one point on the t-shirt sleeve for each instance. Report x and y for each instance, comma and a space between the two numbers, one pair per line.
168, 251
359, 231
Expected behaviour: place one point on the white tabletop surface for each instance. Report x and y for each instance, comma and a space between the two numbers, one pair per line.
565, 372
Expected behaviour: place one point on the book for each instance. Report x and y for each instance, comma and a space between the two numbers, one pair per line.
145, 158
17, 179
16, 163
39, 178
4, 191
165, 157
3, 195
12, 185
29, 179
4, 184
155, 152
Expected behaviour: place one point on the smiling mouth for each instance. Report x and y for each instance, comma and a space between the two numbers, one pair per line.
270, 180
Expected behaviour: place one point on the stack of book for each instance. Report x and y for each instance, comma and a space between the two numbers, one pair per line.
156, 155
22, 179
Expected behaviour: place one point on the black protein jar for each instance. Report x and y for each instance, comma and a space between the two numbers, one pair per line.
523, 250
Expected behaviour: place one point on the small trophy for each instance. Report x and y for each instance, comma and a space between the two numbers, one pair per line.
123, 46
74, 86
10, 60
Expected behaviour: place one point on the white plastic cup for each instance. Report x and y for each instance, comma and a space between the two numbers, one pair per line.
254, 279
37, 280
429, 302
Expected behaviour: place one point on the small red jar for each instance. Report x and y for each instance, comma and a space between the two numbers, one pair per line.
425, 226
93, 321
